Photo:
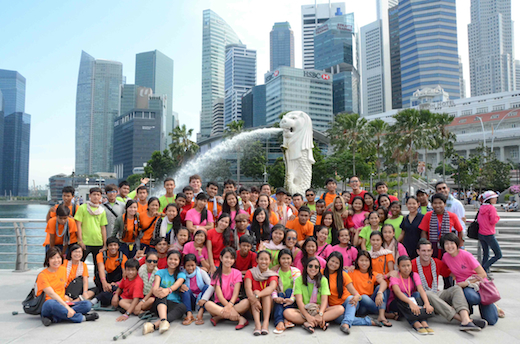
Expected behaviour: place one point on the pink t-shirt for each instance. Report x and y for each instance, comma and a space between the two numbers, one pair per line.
194, 216
406, 285
193, 286
228, 284
349, 255
487, 219
324, 251
189, 247
359, 220
233, 215
402, 250
298, 261
462, 266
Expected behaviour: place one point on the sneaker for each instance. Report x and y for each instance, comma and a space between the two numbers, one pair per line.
421, 330
164, 326
148, 328
429, 330
279, 328
481, 323
469, 327
91, 316
46, 321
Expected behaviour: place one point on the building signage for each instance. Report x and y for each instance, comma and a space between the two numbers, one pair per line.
272, 75
316, 75
322, 29
344, 27
148, 127
436, 105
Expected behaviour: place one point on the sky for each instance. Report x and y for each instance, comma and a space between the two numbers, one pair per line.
43, 40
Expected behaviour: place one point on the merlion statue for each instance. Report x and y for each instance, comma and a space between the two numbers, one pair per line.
297, 147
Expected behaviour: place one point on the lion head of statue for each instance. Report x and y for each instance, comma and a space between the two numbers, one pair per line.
297, 135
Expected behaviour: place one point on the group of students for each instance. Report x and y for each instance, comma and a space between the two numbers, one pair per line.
334, 258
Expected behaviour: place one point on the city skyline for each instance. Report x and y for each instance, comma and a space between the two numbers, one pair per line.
52, 76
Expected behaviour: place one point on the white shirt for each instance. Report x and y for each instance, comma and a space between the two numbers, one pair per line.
457, 208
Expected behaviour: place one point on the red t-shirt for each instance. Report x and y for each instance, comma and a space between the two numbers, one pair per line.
391, 198
454, 222
442, 270
161, 264
360, 194
184, 211
260, 285
131, 289
217, 244
245, 263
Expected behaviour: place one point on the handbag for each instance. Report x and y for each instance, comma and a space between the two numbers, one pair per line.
488, 291
33, 304
75, 288
474, 228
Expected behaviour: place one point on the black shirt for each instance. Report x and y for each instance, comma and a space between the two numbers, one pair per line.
412, 234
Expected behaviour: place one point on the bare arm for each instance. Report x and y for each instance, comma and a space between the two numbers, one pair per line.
79, 235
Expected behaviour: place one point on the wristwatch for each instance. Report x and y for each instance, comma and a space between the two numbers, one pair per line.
320, 314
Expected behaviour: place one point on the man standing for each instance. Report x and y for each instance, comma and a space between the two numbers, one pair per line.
303, 227
114, 208
355, 184
452, 205
424, 204
214, 201
169, 197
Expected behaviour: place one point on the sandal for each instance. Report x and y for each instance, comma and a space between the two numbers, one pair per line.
188, 321
257, 332
288, 324
279, 328
325, 327
345, 329
376, 323
213, 321
199, 321
501, 313
265, 332
241, 326
308, 328
385, 323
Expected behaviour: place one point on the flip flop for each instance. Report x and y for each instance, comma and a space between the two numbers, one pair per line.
213, 321
265, 332
308, 328
188, 321
199, 322
376, 323
385, 324
241, 326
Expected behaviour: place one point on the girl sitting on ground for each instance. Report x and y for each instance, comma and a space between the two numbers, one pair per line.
275, 244
283, 296
309, 250
147, 273
196, 290
348, 251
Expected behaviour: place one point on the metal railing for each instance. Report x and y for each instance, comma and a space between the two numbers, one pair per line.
23, 242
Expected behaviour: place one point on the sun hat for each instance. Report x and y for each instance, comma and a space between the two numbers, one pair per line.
489, 195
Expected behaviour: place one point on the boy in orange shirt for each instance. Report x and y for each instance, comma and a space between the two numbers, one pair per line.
61, 230
130, 290
329, 196
142, 199
67, 194
302, 225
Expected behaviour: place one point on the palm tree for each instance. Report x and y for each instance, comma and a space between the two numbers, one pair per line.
377, 129
349, 132
232, 129
444, 137
182, 148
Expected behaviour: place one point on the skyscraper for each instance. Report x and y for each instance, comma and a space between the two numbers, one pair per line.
98, 100
395, 57
12, 85
216, 34
491, 52
153, 69
17, 135
517, 74
312, 17
1, 139
217, 124
253, 107
240, 76
335, 51
428, 44
281, 40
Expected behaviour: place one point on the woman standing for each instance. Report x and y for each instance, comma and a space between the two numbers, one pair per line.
231, 207
148, 221
411, 233
199, 217
487, 219
127, 228
218, 238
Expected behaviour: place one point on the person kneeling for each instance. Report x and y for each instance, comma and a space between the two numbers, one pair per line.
130, 290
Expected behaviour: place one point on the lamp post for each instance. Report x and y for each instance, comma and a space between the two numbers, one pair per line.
483, 131
493, 137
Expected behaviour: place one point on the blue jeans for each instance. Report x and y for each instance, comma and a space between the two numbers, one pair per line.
367, 305
488, 313
57, 312
487, 242
190, 300
349, 316
279, 308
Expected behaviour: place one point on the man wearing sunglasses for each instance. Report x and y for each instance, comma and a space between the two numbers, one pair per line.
453, 205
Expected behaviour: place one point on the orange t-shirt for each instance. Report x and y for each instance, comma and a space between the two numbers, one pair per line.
51, 229
329, 198
210, 208
53, 210
303, 231
56, 280
142, 208
273, 218
74, 269
131, 231
145, 223
378, 264
334, 300
112, 262
363, 284
318, 219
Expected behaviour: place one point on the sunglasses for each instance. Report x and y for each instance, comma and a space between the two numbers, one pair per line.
312, 266
309, 195
154, 261
289, 238
111, 192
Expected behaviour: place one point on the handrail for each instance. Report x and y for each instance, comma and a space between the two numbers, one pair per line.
21, 241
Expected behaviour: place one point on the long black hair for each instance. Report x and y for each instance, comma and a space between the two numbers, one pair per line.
263, 232
178, 268
204, 212
305, 256
366, 254
339, 279
137, 223
368, 194
334, 229
226, 208
218, 273
317, 278
227, 234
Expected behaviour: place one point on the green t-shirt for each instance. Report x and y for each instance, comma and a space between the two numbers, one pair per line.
397, 225
306, 291
365, 234
164, 201
329, 237
91, 226
312, 207
286, 279
424, 209
123, 200
274, 254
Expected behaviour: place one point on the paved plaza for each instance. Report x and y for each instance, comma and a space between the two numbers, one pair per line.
29, 329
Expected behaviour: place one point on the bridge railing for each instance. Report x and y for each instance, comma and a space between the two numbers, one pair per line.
21, 243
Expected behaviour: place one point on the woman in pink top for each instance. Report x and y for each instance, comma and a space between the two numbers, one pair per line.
463, 266
324, 249
199, 217
231, 207
309, 249
487, 219
346, 249
199, 249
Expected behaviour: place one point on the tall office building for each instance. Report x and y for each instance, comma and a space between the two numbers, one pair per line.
428, 44
216, 35
240, 76
281, 40
12, 85
98, 100
1, 140
153, 69
395, 57
517, 74
491, 50
253, 107
312, 17
17, 135
335, 51
217, 124
310, 91
461, 80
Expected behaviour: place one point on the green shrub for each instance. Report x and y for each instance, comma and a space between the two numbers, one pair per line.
507, 197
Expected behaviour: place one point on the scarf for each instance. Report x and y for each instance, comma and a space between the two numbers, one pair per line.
198, 276
147, 282
314, 295
65, 233
215, 209
272, 246
295, 273
262, 276
79, 270
283, 210
376, 254
435, 232
394, 248
164, 228
96, 211
434, 287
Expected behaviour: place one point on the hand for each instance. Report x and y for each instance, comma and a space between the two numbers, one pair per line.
429, 309
162, 293
123, 317
311, 320
115, 301
354, 300
345, 214
288, 302
104, 248
226, 312
379, 300
106, 286
257, 305
145, 180
139, 254
472, 280
70, 312
201, 303
393, 273
319, 320
199, 250
415, 309
351, 268
292, 217
212, 269
234, 315
278, 300
82, 246
184, 288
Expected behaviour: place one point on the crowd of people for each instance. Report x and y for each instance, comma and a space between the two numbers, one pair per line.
347, 257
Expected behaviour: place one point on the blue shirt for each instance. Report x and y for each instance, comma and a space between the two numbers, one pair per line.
168, 280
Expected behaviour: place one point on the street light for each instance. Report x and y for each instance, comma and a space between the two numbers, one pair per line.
493, 137
483, 132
